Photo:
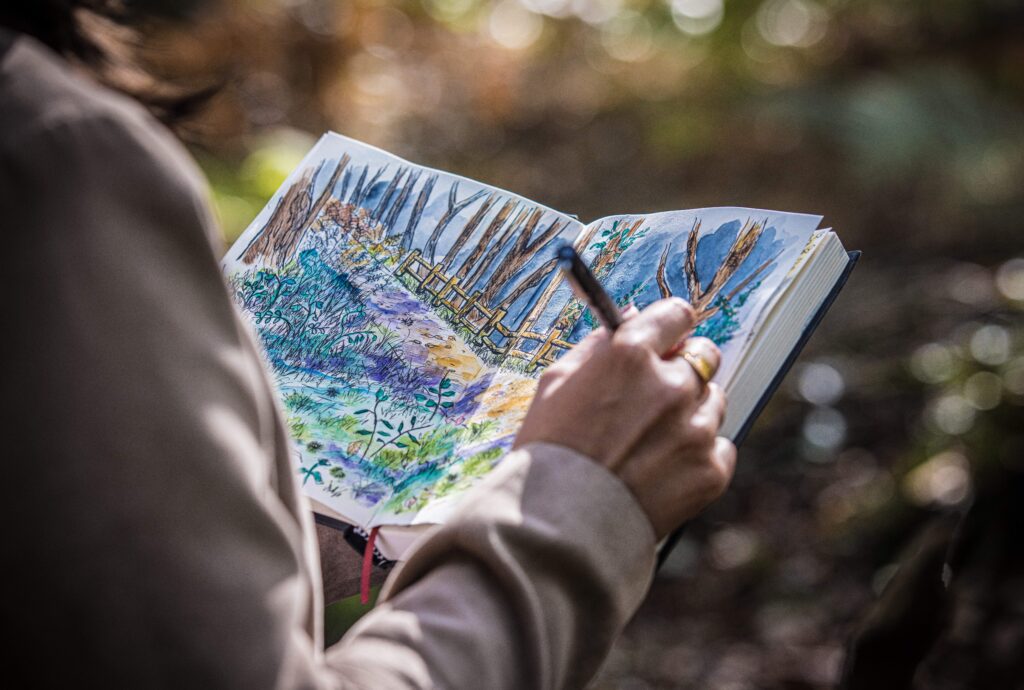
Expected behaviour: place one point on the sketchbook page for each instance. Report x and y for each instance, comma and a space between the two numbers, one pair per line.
362, 279
729, 263
798, 265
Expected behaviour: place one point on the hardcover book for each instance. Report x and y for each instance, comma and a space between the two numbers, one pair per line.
407, 314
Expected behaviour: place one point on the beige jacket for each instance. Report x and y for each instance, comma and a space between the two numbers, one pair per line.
154, 533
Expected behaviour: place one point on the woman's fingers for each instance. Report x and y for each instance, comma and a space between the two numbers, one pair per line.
724, 458
710, 413
596, 337
706, 353
696, 360
650, 420
658, 327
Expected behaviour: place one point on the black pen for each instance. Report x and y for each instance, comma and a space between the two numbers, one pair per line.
586, 287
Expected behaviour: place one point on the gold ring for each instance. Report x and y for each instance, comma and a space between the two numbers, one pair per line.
701, 366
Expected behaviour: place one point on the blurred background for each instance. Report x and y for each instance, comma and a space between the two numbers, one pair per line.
880, 498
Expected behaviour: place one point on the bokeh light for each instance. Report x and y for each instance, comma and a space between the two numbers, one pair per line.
1010, 279
628, 37
991, 345
512, 26
733, 547
825, 428
552, 8
952, 414
597, 11
269, 164
451, 11
984, 390
697, 17
934, 363
971, 284
943, 479
791, 23
1013, 376
820, 384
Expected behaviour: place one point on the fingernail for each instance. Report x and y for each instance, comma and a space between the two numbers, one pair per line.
684, 305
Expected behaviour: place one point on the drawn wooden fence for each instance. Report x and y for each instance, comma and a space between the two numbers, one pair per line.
479, 319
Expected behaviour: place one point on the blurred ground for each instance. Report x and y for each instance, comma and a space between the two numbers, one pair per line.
900, 121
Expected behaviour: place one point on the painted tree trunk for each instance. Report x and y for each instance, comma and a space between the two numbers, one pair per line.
455, 207
521, 253
496, 250
481, 246
704, 298
468, 230
417, 211
364, 194
385, 200
293, 214
403, 197
541, 305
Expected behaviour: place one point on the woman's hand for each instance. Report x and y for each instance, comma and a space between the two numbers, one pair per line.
649, 420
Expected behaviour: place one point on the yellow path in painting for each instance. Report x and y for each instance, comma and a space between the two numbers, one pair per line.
505, 400
509, 394
453, 354
426, 335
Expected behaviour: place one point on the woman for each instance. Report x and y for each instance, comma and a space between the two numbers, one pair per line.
155, 532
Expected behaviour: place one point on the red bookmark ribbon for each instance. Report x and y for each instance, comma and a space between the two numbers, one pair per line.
364, 584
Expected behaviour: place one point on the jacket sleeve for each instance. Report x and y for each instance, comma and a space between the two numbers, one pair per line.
527, 586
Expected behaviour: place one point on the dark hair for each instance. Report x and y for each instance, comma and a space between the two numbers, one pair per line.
94, 35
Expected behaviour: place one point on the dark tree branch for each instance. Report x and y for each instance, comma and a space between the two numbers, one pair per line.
481, 246
530, 281
400, 202
468, 229
455, 207
417, 212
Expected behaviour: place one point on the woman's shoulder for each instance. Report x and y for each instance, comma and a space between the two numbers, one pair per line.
49, 109
64, 137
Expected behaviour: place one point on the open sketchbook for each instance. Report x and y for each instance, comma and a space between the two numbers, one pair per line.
408, 312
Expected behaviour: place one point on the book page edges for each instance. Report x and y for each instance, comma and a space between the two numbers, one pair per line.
786, 334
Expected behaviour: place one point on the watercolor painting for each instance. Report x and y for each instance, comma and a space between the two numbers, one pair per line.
407, 313
729, 263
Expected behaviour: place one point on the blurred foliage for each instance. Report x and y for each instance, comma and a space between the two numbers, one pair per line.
341, 615
902, 121
698, 100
